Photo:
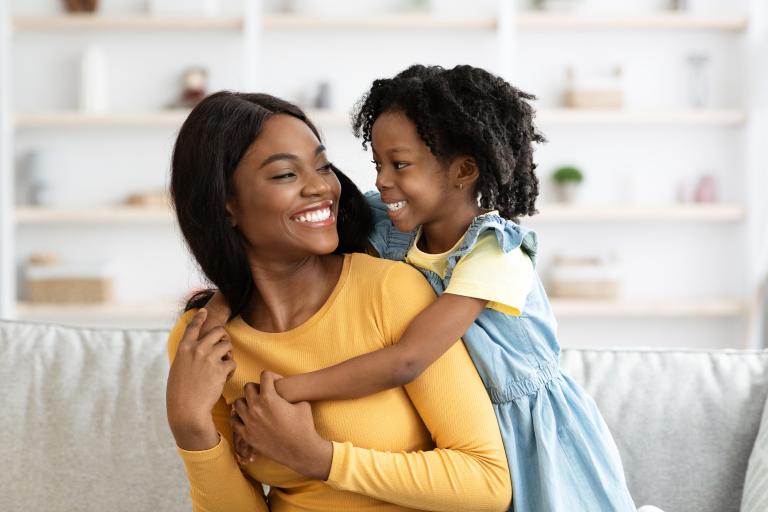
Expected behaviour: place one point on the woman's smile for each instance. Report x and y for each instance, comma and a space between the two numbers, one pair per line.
317, 215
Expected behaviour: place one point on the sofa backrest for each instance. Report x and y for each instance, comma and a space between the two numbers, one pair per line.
83, 420
685, 421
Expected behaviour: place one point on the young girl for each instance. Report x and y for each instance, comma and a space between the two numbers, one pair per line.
453, 154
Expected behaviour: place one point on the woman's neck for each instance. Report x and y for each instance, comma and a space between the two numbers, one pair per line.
439, 235
288, 293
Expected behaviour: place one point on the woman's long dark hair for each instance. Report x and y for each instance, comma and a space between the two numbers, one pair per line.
210, 144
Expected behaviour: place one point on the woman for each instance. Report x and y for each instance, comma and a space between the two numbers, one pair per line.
272, 224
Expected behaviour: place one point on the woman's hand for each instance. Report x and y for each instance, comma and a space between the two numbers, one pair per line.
217, 310
281, 431
195, 382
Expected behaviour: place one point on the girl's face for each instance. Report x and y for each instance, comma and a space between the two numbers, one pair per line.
285, 196
412, 181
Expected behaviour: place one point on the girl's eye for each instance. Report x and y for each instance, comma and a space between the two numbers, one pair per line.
376, 165
283, 176
400, 165
326, 168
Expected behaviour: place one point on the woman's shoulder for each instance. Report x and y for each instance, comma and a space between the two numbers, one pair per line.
386, 274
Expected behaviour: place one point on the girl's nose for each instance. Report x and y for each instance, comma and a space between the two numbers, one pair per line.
383, 179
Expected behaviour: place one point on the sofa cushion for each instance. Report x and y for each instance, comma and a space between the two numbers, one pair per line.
83, 421
684, 420
755, 498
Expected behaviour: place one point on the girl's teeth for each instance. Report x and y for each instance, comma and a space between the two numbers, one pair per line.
393, 207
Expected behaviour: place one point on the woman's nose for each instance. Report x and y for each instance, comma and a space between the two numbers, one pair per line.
316, 184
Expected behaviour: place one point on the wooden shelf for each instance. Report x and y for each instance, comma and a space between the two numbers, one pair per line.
627, 117
405, 21
160, 119
385, 22
81, 22
611, 213
579, 308
333, 118
74, 119
660, 21
91, 216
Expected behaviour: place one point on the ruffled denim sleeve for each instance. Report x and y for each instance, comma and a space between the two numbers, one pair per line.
389, 243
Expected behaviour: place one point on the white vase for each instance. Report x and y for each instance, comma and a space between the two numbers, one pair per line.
94, 89
567, 192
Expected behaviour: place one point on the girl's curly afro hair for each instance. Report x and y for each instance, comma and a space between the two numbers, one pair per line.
465, 111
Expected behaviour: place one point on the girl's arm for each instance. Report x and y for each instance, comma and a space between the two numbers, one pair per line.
427, 338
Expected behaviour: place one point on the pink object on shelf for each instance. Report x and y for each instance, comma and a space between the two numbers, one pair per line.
706, 190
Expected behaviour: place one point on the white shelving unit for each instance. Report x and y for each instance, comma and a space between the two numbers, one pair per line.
255, 27
7, 182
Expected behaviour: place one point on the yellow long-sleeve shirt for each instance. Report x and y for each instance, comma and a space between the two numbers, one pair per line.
432, 445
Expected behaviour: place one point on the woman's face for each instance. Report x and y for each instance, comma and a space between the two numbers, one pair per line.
285, 195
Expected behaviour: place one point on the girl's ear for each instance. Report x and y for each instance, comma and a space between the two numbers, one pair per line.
465, 172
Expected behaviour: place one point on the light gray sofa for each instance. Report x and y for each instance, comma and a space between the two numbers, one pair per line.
83, 424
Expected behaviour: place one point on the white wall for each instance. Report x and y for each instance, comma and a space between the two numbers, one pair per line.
660, 260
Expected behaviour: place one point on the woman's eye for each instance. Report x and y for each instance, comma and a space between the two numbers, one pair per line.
283, 176
326, 168
400, 165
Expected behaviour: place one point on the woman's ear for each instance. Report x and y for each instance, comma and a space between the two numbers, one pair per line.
230, 212
465, 172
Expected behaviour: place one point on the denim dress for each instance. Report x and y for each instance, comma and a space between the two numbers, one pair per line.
561, 454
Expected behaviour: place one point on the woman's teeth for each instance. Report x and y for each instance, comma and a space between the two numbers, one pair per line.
393, 207
314, 216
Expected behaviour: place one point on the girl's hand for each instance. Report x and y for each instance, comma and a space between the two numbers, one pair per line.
195, 382
281, 431
243, 451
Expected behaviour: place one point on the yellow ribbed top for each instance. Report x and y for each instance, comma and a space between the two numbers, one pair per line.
431, 445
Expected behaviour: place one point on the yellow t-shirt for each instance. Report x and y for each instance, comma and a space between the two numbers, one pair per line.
486, 272
432, 445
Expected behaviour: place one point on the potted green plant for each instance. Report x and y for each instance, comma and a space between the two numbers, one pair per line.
567, 182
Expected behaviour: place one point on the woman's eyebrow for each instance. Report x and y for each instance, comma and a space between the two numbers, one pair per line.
287, 156
276, 157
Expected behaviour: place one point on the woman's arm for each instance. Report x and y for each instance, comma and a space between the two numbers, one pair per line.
201, 429
428, 337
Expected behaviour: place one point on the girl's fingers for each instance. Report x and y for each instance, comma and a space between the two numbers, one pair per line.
267, 383
241, 407
251, 390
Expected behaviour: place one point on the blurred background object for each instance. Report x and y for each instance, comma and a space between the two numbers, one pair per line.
661, 107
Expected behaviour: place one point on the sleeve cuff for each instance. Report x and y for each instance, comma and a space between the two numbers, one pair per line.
205, 455
498, 298
339, 464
